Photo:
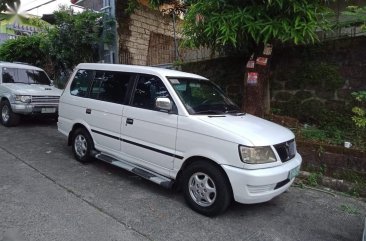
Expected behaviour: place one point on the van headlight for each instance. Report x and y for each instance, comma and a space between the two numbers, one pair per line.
256, 155
23, 98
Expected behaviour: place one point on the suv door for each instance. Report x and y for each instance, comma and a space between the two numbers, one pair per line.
149, 135
108, 93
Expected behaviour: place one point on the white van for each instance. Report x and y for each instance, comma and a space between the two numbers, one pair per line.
25, 90
178, 128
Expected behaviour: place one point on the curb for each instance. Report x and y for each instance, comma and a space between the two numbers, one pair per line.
334, 184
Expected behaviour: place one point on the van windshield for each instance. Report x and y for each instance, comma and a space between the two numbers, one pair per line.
201, 96
25, 76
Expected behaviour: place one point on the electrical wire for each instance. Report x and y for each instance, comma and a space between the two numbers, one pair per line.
40, 5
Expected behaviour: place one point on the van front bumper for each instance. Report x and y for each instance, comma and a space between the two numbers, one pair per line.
261, 185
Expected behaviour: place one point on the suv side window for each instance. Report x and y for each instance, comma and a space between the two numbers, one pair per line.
111, 86
9, 75
148, 88
81, 82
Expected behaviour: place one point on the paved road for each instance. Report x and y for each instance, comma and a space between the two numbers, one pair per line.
46, 195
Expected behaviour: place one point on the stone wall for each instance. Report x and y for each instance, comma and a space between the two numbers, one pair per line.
308, 80
228, 73
146, 28
335, 161
302, 78
146, 37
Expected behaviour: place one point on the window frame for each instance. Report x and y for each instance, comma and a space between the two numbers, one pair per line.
130, 86
87, 94
133, 89
127, 94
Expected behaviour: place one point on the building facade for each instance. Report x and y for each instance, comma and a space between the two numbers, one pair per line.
13, 26
143, 36
108, 51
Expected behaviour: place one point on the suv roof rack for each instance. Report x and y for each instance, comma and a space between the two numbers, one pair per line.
16, 62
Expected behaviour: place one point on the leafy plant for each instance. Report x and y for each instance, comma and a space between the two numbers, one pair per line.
132, 5
247, 26
313, 179
73, 39
313, 133
350, 209
356, 15
24, 49
359, 117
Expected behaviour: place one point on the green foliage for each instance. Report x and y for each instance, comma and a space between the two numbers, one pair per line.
355, 15
109, 33
235, 23
350, 209
359, 117
313, 133
132, 5
24, 49
313, 179
74, 38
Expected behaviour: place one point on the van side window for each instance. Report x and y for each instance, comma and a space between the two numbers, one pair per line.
148, 88
111, 86
9, 75
81, 82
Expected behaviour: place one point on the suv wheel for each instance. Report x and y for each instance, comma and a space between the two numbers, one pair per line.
82, 145
8, 117
206, 189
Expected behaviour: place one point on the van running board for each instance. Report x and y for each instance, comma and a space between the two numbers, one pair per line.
140, 171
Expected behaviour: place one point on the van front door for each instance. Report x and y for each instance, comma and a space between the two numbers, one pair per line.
149, 135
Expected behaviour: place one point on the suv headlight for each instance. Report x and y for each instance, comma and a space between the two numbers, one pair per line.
256, 155
23, 98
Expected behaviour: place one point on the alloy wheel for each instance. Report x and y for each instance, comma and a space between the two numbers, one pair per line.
202, 189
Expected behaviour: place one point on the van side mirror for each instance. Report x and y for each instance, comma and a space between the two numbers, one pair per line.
163, 103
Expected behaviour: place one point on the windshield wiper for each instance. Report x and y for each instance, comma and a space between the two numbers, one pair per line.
40, 84
235, 112
217, 112
231, 111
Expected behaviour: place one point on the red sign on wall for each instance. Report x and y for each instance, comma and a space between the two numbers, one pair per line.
252, 78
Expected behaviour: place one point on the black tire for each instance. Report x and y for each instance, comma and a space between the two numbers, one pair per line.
199, 198
7, 116
82, 145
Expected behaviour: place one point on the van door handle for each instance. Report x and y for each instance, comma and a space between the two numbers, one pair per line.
129, 121
88, 111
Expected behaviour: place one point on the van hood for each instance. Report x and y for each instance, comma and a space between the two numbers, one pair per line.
33, 89
256, 130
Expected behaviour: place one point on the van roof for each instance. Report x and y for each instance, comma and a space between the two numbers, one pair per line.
18, 66
138, 69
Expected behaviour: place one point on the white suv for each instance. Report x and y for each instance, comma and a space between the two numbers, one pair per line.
25, 90
172, 127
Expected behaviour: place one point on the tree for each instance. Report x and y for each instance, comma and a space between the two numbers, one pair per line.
25, 49
73, 39
354, 16
253, 25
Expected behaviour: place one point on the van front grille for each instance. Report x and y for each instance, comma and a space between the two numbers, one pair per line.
286, 150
